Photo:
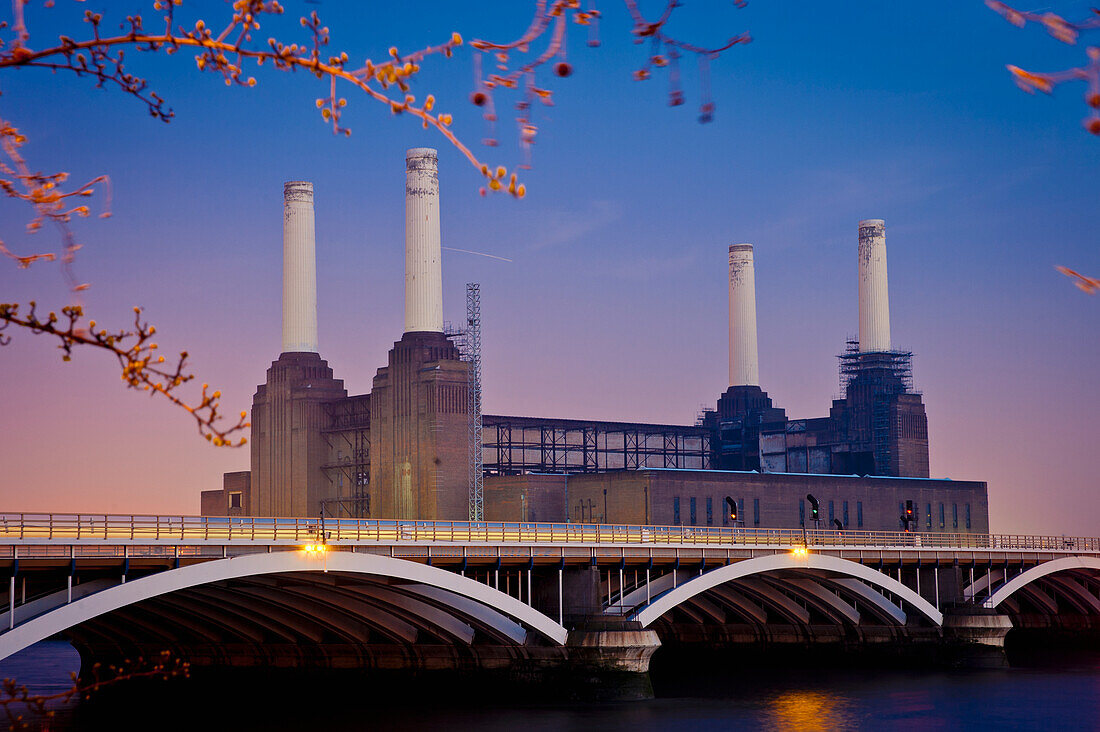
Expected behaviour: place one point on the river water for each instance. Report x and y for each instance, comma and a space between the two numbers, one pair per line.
1057, 697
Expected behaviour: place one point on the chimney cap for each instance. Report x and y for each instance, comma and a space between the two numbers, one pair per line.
872, 222
421, 152
740, 247
298, 190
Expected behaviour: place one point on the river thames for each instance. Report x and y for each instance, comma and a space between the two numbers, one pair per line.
1056, 697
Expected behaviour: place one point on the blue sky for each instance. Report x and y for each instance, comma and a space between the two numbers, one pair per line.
615, 303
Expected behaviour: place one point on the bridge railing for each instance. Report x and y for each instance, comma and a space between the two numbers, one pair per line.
92, 528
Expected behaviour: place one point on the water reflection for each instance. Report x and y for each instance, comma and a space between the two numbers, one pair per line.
753, 697
809, 711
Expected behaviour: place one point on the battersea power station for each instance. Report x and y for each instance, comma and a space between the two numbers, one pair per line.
417, 446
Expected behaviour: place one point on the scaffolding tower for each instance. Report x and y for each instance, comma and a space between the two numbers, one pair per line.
472, 354
891, 370
871, 381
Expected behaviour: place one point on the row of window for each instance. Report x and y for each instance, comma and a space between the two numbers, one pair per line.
832, 514
693, 506
942, 515
693, 513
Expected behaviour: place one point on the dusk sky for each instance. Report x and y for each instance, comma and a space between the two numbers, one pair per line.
615, 303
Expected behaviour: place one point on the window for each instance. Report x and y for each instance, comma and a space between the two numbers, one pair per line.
929, 516
901, 514
741, 510
235, 499
942, 521
954, 515
676, 511
845, 514
710, 511
801, 513
692, 501
831, 516
725, 514
859, 514
968, 515
756, 512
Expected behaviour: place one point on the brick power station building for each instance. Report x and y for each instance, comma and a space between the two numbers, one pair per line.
404, 450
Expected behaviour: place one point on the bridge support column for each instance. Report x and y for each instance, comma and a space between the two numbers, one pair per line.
975, 637
610, 659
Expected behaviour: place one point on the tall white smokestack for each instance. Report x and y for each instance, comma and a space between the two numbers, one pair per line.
299, 268
874, 297
423, 265
744, 363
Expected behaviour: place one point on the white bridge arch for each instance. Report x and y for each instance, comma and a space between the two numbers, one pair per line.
660, 605
506, 615
1065, 564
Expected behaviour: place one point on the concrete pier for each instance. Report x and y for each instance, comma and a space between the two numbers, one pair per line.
975, 637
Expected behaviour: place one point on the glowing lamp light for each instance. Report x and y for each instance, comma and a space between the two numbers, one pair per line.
799, 551
315, 548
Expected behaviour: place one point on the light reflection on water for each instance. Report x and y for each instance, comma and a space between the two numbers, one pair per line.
766, 699
809, 711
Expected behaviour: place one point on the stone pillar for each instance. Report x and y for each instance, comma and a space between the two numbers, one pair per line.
975, 637
609, 660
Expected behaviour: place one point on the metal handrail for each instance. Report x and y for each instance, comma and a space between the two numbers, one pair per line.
46, 527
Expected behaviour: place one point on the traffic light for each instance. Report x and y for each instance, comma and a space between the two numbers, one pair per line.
815, 509
732, 504
908, 517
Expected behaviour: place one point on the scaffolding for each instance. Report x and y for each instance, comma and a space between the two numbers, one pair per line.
472, 354
892, 370
870, 382
517, 445
348, 467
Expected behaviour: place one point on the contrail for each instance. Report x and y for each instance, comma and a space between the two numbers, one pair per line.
480, 254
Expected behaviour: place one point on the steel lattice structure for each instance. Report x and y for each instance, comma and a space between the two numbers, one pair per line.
473, 355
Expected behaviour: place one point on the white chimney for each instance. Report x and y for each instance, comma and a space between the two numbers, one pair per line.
744, 363
423, 265
874, 297
299, 268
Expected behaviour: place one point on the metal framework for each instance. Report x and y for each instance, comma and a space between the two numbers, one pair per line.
516, 445
874, 378
893, 370
348, 468
473, 400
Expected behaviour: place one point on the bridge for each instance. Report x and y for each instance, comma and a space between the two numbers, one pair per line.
419, 595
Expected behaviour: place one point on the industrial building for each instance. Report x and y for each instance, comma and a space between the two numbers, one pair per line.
417, 446
669, 497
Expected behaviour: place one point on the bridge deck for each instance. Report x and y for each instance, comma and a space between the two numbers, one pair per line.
107, 534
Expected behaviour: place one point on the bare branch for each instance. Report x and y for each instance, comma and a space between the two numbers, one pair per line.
32, 711
1067, 32
552, 18
1086, 284
142, 368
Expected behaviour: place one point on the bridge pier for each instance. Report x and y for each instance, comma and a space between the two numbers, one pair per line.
974, 637
610, 659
